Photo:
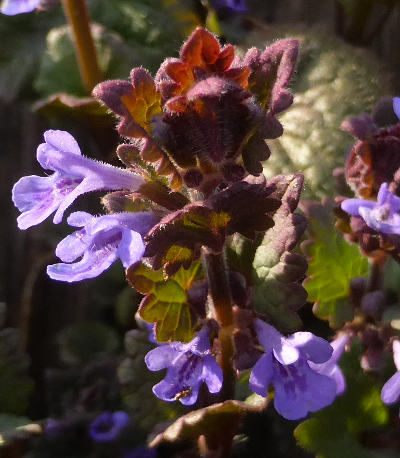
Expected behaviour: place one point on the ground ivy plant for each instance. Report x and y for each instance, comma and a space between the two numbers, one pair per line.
213, 246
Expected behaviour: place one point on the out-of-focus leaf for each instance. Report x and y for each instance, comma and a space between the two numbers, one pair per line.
136, 381
65, 104
352, 7
391, 316
24, 43
333, 263
391, 276
15, 384
152, 29
126, 306
166, 302
9, 425
215, 422
333, 81
277, 271
334, 432
84, 341
59, 71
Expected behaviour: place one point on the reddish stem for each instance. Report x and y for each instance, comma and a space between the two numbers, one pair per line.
78, 18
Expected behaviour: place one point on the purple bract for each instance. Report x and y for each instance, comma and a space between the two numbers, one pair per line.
38, 197
382, 216
298, 388
391, 389
100, 242
13, 7
188, 365
107, 426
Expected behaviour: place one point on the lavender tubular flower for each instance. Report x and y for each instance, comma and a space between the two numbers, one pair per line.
396, 106
38, 197
102, 241
391, 389
298, 388
188, 365
330, 368
107, 426
236, 6
13, 7
382, 216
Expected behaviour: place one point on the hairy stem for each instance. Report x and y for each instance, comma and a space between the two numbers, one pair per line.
78, 17
220, 294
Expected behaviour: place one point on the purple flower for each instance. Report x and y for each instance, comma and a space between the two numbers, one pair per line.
99, 243
140, 452
298, 388
236, 6
330, 368
391, 389
396, 106
108, 426
38, 197
12, 7
382, 216
188, 365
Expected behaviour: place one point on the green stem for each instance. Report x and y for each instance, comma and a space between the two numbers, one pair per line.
220, 294
78, 18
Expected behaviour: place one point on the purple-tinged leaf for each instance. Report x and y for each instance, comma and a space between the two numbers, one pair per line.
218, 423
177, 239
277, 271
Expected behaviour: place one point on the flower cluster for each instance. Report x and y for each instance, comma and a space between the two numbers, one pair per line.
102, 239
195, 137
373, 172
302, 368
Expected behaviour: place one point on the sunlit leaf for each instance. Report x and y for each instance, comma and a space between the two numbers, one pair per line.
166, 302
333, 263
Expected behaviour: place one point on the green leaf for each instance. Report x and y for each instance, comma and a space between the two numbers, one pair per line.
59, 70
83, 342
215, 422
153, 29
166, 302
21, 54
333, 263
277, 272
334, 431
